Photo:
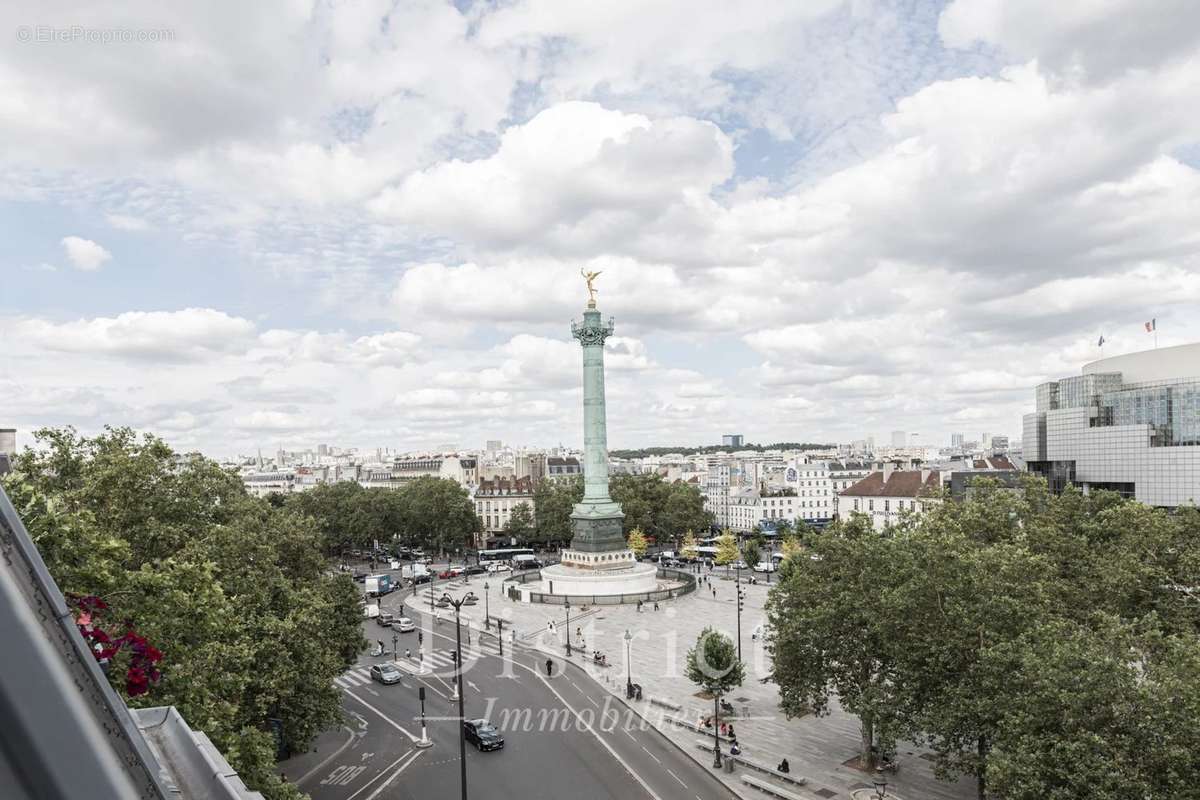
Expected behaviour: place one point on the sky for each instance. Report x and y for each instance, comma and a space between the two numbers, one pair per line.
284, 223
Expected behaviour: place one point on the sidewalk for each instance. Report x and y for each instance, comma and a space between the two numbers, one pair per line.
815, 748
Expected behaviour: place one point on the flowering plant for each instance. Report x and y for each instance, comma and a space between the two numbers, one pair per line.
143, 656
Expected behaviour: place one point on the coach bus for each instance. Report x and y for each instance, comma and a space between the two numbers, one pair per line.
503, 554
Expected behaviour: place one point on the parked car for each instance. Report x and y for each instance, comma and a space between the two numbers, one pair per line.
424, 577
404, 625
385, 674
482, 734
764, 566
384, 619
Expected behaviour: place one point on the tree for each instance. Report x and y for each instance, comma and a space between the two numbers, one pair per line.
1124, 729
688, 548
832, 626
438, 514
637, 542
520, 525
727, 548
553, 502
232, 590
751, 553
790, 546
713, 665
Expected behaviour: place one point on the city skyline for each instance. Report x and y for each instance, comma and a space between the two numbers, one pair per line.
374, 235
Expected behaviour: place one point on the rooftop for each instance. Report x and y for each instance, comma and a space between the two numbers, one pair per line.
901, 483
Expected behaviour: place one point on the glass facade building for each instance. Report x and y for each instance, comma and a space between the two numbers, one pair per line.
1128, 423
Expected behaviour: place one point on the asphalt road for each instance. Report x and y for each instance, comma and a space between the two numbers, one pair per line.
565, 737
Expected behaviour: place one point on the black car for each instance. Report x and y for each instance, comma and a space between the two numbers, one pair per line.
474, 569
482, 734
422, 579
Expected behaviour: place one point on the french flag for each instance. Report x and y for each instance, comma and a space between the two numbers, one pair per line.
1150, 326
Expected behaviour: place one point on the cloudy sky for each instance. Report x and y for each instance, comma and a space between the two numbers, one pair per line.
362, 223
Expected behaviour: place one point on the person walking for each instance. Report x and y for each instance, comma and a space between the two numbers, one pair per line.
714, 593
549, 667
656, 605
783, 767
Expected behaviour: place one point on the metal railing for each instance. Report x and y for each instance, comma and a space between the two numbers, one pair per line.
687, 579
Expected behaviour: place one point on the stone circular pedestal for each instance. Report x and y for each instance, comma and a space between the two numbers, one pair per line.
560, 579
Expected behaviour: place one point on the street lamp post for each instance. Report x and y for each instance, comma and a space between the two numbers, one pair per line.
395, 642
716, 728
458, 684
567, 603
628, 665
487, 623
880, 787
500, 635
737, 583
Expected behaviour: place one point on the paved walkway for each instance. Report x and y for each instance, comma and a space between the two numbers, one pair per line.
816, 748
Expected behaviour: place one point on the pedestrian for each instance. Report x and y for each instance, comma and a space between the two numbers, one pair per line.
783, 767
732, 735
656, 605
714, 593
549, 667
734, 750
408, 654
724, 728
579, 634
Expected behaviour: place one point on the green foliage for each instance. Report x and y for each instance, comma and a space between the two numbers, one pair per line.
659, 508
727, 548
553, 502
689, 545
713, 665
233, 590
637, 542
520, 523
751, 553
1046, 645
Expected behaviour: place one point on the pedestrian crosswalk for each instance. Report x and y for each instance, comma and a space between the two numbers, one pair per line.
440, 660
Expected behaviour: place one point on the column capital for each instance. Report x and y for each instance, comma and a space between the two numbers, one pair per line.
592, 331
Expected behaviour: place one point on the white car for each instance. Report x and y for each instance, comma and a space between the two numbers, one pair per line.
764, 566
404, 625
498, 567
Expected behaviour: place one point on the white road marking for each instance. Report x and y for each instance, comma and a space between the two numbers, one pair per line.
652, 755
366, 785
382, 716
395, 775
590, 700
335, 754
676, 777
372, 691
627, 733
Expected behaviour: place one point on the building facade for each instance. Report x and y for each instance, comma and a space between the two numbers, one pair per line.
495, 501
885, 495
1128, 423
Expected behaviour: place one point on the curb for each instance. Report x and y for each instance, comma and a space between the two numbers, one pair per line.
732, 791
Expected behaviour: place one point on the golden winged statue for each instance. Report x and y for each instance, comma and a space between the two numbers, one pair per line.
590, 277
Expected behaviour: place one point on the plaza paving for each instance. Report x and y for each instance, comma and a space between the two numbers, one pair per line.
815, 748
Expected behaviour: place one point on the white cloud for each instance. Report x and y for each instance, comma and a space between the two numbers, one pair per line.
85, 254
575, 171
126, 222
1095, 39
190, 334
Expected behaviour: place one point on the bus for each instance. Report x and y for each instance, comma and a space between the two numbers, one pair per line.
503, 554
